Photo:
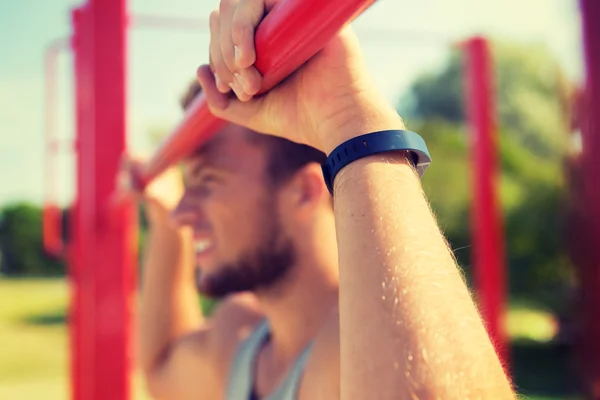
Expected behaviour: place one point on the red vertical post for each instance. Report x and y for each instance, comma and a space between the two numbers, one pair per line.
486, 226
113, 263
81, 386
103, 252
589, 197
52, 214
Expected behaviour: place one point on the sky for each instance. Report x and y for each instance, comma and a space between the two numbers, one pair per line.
401, 40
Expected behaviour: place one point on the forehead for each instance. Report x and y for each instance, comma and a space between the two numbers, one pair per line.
230, 149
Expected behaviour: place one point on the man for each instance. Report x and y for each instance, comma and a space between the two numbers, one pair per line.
244, 238
259, 218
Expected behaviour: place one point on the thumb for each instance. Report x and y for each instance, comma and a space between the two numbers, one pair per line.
228, 107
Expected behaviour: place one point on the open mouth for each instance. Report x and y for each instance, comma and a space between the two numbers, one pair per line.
202, 245
202, 249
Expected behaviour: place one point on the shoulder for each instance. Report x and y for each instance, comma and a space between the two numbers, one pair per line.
321, 378
200, 361
233, 320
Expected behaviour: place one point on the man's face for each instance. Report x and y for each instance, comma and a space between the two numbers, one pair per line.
240, 244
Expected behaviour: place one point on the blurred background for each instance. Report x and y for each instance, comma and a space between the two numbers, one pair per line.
411, 50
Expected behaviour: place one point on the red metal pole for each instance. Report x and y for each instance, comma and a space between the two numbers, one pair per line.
589, 265
79, 318
289, 35
103, 252
487, 227
52, 215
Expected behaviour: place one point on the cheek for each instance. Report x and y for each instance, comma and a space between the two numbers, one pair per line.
237, 222
231, 224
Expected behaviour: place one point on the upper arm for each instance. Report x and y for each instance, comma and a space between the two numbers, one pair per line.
196, 365
321, 379
185, 372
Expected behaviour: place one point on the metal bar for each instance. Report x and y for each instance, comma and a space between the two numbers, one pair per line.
51, 217
79, 317
589, 193
487, 225
288, 36
104, 257
113, 264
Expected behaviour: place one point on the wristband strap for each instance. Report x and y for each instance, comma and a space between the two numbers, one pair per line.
374, 143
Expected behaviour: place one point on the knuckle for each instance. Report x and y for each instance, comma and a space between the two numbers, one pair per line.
213, 20
240, 29
226, 5
228, 56
222, 70
254, 79
214, 110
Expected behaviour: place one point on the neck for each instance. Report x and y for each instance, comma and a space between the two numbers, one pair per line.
299, 306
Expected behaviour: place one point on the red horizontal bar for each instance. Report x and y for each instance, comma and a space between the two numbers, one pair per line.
290, 35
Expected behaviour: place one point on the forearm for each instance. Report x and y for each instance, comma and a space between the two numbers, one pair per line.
169, 302
409, 328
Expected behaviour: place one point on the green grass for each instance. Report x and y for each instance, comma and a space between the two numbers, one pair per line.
33, 340
34, 350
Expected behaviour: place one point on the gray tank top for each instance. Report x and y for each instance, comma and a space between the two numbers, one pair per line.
241, 376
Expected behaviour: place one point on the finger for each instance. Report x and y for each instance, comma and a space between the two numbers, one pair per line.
124, 190
124, 163
246, 18
214, 97
226, 11
223, 76
238, 88
229, 108
120, 197
250, 80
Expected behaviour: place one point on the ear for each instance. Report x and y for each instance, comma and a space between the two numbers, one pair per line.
306, 190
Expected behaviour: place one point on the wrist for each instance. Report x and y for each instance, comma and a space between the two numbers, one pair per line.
366, 168
165, 232
360, 115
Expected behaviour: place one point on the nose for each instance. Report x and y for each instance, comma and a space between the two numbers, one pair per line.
187, 213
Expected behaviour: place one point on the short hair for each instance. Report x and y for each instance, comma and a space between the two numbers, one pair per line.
285, 157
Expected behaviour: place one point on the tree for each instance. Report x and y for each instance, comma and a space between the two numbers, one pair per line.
532, 96
533, 125
21, 243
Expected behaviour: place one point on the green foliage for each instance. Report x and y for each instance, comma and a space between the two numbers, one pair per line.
532, 134
438, 94
531, 96
21, 243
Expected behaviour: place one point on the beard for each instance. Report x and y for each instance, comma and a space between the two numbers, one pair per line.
261, 268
